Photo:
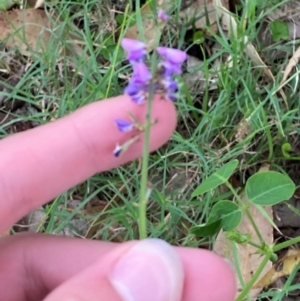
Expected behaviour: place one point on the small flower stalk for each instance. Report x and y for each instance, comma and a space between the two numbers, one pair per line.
138, 88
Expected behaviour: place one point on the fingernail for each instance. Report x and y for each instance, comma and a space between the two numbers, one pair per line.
150, 271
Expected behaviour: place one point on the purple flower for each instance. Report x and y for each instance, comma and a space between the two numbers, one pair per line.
174, 56
139, 83
136, 50
162, 16
118, 150
171, 59
170, 84
141, 74
170, 87
171, 68
139, 98
124, 125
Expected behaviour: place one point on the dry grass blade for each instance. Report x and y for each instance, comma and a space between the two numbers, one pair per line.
289, 67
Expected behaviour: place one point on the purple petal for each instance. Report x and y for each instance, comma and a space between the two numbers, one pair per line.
124, 125
136, 93
132, 88
118, 150
139, 98
136, 50
170, 84
141, 74
170, 68
172, 55
132, 45
172, 96
162, 15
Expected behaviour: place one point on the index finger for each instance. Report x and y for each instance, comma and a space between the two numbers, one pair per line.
37, 165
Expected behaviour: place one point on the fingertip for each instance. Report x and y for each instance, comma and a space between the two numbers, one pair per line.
208, 276
163, 113
144, 270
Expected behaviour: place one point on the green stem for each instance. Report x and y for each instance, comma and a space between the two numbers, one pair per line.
144, 177
254, 245
269, 136
247, 213
144, 195
286, 244
256, 275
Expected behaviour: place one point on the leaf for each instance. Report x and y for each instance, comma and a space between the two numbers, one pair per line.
30, 30
279, 30
282, 267
198, 37
217, 178
286, 148
109, 51
208, 229
229, 212
245, 256
25, 29
269, 188
6, 4
224, 215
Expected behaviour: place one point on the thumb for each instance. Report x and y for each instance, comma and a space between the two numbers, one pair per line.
147, 270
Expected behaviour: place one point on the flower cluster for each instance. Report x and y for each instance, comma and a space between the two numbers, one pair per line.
139, 85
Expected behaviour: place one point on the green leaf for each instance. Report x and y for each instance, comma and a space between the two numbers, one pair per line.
130, 20
6, 4
224, 215
286, 148
269, 188
198, 37
208, 229
108, 52
279, 30
229, 212
217, 178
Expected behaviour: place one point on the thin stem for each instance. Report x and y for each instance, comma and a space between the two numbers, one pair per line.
144, 177
286, 244
144, 190
247, 213
256, 275
255, 245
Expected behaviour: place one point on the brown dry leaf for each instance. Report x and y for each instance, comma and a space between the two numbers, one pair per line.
282, 267
204, 12
248, 259
149, 29
291, 64
31, 29
229, 24
25, 29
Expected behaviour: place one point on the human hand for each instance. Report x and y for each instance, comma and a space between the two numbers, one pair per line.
41, 163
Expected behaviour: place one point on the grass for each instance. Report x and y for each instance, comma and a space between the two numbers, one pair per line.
55, 84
